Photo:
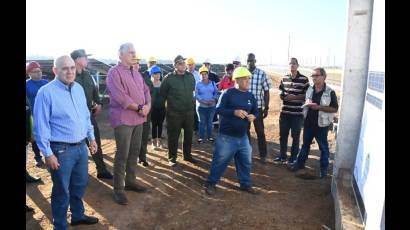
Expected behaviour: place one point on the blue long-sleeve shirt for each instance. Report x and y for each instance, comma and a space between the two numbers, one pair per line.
231, 100
32, 87
205, 92
61, 115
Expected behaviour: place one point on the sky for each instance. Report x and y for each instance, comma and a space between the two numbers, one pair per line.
216, 29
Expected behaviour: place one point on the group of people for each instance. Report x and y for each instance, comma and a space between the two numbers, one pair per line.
65, 128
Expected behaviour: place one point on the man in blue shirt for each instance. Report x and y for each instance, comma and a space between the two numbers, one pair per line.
237, 108
33, 84
61, 124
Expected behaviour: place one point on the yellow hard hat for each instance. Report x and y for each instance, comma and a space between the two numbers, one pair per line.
241, 72
190, 61
203, 69
152, 59
137, 58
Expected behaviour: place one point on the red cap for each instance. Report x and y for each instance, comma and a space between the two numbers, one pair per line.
32, 65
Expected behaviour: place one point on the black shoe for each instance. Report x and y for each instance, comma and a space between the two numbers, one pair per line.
120, 198
210, 189
88, 220
296, 166
30, 179
279, 160
144, 163
191, 159
250, 190
135, 188
212, 140
104, 175
29, 209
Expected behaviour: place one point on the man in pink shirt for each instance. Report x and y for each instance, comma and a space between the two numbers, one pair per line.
130, 102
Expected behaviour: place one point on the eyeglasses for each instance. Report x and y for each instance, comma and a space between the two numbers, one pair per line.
37, 71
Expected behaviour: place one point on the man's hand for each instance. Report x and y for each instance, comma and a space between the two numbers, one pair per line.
240, 113
265, 112
93, 147
97, 109
145, 110
314, 106
251, 117
52, 162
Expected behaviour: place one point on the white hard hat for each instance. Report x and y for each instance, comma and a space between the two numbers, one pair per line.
207, 61
237, 59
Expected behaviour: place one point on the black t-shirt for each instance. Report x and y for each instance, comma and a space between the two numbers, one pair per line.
313, 115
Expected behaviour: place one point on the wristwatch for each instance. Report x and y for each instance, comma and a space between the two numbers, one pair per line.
139, 109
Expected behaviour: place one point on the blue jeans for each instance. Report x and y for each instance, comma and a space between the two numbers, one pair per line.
226, 148
205, 120
320, 134
69, 182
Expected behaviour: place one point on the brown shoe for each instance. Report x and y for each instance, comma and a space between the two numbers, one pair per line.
135, 188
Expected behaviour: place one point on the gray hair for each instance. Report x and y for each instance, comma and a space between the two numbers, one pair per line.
125, 47
59, 60
321, 70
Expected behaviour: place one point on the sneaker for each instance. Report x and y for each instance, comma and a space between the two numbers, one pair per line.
279, 160
120, 198
135, 188
172, 163
296, 166
250, 190
200, 141
211, 140
191, 159
88, 220
104, 175
210, 189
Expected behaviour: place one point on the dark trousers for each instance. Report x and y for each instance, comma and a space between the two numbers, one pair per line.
320, 134
196, 120
144, 139
174, 124
98, 156
294, 124
260, 133
36, 150
157, 119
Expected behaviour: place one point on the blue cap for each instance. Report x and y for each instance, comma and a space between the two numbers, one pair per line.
154, 69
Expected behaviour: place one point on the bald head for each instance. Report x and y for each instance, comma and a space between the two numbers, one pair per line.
64, 69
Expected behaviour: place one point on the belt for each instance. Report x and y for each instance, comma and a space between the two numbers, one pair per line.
65, 143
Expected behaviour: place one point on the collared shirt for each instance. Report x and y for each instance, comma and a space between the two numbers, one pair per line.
61, 115
197, 76
295, 86
126, 86
90, 89
32, 87
206, 92
258, 85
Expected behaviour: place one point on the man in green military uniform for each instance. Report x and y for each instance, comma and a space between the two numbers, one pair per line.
84, 78
177, 89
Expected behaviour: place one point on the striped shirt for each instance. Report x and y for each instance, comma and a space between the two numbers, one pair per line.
295, 86
258, 85
61, 115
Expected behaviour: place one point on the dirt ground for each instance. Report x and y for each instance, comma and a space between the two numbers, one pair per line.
176, 199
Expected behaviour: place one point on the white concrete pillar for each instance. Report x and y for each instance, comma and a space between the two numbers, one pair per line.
354, 84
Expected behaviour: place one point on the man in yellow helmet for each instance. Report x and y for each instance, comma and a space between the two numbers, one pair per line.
237, 108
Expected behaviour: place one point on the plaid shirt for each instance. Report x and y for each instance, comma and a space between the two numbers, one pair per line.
259, 83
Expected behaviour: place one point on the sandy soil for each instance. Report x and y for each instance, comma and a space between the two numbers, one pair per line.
176, 199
